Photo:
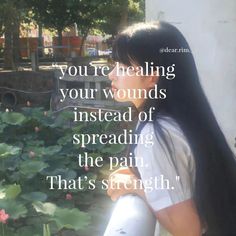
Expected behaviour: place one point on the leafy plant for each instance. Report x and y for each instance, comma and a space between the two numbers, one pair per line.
35, 144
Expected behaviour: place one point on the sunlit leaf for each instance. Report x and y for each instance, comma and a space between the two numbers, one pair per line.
8, 150
47, 208
13, 118
12, 191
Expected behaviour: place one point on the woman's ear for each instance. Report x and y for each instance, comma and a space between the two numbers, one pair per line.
153, 79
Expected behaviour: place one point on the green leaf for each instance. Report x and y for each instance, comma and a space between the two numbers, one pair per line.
2, 127
32, 167
66, 173
114, 149
35, 196
10, 163
44, 151
12, 191
33, 143
2, 193
13, 118
51, 150
77, 128
13, 208
7, 150
64, 140
47, 208
71, 218
62, 119
92, 147
35, 111
110, 125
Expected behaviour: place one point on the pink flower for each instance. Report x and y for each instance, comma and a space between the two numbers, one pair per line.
86, 168
36, 129
3, 216
68, 196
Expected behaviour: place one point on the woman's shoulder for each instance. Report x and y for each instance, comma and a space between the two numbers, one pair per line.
166, 127
167, 123
169, 156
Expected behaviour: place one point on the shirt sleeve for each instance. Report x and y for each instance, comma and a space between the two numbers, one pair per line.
167, 179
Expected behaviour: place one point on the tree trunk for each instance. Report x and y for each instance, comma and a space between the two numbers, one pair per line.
83, 41
40, 40
16, 42
59, 43
8, 49
59, 32
124, 16
11, 30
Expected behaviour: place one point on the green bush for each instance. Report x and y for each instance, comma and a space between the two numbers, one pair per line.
35, 144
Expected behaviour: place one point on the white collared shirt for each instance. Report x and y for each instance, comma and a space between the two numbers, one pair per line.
167, 181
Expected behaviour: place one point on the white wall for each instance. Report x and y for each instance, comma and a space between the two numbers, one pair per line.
210, 28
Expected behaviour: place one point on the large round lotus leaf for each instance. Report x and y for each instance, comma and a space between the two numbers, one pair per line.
8, 150
71, 218
47, 208
13, 208
12, 191
13, 118
32, 167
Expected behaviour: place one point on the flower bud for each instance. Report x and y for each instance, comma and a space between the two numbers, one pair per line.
68, 196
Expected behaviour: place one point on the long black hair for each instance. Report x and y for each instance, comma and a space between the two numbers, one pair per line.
186, 103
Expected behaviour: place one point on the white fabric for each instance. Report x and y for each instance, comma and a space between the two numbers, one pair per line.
159, 163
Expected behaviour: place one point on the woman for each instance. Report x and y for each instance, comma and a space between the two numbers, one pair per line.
189, 147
